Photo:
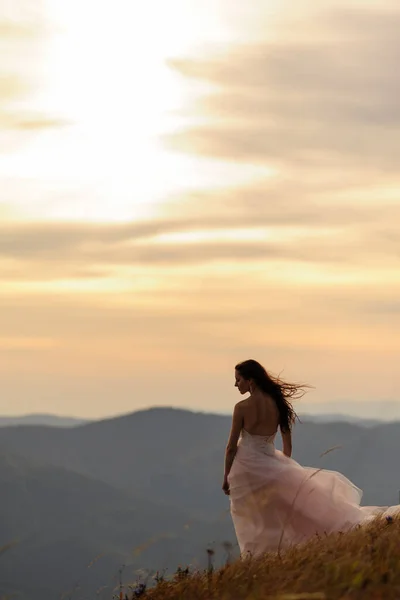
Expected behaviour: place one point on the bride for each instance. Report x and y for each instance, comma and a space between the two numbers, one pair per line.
275, 502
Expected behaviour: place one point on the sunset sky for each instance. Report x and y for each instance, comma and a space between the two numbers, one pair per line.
190, 183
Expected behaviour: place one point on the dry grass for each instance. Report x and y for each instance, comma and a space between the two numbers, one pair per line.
361, 564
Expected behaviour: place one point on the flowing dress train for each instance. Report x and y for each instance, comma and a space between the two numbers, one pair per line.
277, 503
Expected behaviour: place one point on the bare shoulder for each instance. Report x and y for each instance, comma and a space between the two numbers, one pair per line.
241, 404
239, 409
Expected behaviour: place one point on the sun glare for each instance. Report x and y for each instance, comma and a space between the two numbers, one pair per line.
105, 75
251, 235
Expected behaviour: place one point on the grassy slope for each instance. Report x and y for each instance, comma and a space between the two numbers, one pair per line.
362, 564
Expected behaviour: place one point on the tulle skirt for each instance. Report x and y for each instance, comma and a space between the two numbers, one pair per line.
277, 503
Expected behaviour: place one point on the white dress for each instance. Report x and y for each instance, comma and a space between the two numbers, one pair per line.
277, 503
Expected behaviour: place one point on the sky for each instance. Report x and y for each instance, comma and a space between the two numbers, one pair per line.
187, 184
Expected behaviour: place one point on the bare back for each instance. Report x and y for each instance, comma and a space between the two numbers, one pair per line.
260, 415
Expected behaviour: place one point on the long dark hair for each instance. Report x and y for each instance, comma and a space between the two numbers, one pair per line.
281, 391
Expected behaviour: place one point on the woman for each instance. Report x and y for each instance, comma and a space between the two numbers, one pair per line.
275, 502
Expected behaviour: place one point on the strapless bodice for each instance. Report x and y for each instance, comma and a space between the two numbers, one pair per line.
261, 443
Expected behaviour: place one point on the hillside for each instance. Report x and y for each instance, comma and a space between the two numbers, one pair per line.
148, 479
62, 521
173, 455
360, 565
177, 455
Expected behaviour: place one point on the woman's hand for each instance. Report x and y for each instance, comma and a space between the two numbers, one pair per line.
225, 486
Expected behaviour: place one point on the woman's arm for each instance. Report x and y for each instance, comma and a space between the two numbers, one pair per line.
287, 442
231, 448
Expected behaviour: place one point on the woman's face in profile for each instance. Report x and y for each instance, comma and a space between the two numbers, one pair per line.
242, 384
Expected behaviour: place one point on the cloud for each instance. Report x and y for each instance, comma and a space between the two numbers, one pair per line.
299, 269
220, 308
327, 102
248, 225
29, 122
22, 343
23, 31
320, 108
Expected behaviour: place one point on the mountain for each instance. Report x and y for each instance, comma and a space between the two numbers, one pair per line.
165, 453
339, 418
62, 522
177, 455
376, 410
71, 494
325, 413
39, 419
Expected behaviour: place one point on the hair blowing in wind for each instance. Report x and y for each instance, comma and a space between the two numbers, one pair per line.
281, 391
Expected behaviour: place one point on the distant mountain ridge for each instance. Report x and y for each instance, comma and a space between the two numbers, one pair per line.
50, 420
376, 410
107, 486
339, 418
178, 454
42, 419
365, 413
